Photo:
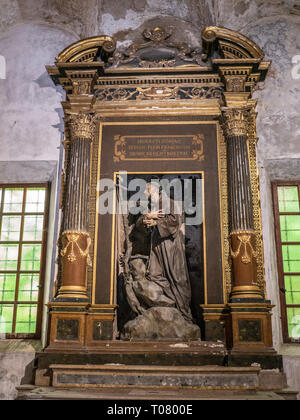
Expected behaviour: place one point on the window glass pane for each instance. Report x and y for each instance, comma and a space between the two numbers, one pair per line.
291, 258
26, 319
10, 229
8, 257
28, 287
20, 263
13, 200
293, 315
33, 228
7, 286
35, 200
290, 228
292, 287
288, 199
31, 255
6, 318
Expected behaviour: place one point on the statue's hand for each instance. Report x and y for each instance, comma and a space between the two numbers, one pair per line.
150, 223
154, 216
138, 309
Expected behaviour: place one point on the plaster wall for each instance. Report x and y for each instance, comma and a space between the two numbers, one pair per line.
291, 366
16, 365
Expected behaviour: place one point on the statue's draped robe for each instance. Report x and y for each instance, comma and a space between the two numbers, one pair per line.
167, 262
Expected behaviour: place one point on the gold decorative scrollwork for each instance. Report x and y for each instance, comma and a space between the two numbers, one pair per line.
120, 153
72, 238
200, 92
115, 94
256, 201
198, 153
158, 93
225, 215
245, 242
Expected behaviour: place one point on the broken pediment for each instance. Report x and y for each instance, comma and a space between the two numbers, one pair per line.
161, 68
159, 50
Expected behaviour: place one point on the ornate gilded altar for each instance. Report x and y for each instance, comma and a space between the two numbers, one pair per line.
162, 88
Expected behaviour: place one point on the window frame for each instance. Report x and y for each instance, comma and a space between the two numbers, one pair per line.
43, 242
279, 244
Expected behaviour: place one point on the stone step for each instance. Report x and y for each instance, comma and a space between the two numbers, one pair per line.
161, 377
158, 353
141, 347
114, 395
289, 394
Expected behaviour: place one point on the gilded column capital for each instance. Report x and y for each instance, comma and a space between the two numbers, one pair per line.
81, 126
236, 121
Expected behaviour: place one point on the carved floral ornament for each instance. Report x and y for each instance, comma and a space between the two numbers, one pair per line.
158, 93
81, 126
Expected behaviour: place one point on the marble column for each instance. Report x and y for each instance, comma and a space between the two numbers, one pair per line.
242, 235
75, 238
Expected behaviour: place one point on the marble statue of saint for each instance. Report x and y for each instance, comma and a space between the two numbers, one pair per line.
160, 291
167, 263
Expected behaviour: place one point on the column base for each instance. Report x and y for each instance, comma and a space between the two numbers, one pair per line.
246, 292
67, 325
251, 327
77, 325
72, 292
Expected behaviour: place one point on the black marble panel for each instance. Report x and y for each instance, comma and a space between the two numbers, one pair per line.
102, 330
67, 329
250, 330
214, 331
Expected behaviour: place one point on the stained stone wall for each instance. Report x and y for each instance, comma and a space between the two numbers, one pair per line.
33, 32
